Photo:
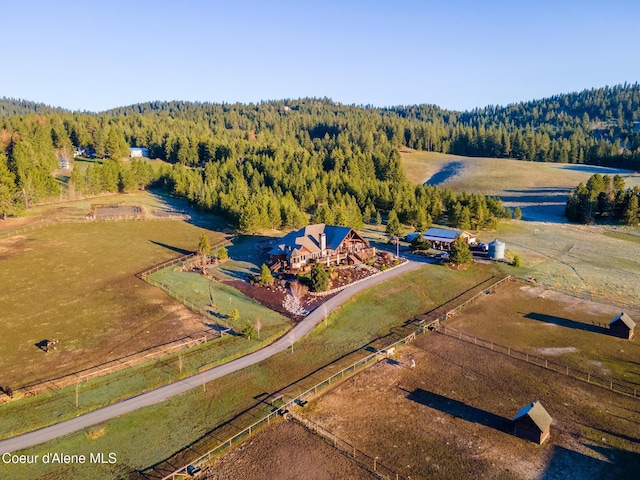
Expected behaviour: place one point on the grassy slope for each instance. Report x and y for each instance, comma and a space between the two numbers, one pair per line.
581, 259
503, 177
371, 314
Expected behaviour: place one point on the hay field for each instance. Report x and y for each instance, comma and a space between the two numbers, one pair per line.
539, 189
75, 282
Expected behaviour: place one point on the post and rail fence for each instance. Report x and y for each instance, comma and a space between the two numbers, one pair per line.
612, 385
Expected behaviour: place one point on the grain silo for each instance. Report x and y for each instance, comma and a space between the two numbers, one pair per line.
496, 250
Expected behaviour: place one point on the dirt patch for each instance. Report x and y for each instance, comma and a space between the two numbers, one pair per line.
557, 351
286, 451
449, 417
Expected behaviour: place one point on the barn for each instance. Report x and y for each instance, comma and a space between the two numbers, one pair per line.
622, 326
532, 423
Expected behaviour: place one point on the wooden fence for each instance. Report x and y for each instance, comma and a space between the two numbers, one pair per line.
147, 355
349, 370
373, 464
612, 385
287, 406
112, 366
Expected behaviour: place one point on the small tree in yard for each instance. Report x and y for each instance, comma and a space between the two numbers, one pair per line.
460, 252
517, 262
420, 243
318, 278
258, 326
266, 278
234, 315
204, 247
222, 253
249, 332
517, 213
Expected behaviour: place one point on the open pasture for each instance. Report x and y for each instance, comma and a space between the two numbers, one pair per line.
449, 417
585, 260
561, 328
75, 282
540, 189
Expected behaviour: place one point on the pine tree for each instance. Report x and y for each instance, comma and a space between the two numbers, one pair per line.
266, 278
318, 278
393, 224
460, 252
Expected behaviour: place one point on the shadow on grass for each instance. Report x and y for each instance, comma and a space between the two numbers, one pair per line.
459, 409
565, 463
566, 322
181, 251
219, 433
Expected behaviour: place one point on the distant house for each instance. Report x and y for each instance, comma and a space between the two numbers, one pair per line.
533, 423
328, 244
442, 238
622, 326
138, 152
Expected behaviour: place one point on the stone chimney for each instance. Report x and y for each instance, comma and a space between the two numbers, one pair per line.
323, 244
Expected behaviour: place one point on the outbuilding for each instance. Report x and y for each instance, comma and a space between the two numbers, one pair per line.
442, 238
622, 326
533, 423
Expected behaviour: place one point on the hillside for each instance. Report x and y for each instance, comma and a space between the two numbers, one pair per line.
275, 164
12, 107
539, 189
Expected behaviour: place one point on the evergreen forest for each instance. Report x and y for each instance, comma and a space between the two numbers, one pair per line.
280, 164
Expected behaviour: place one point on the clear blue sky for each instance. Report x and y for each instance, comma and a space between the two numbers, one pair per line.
87, 55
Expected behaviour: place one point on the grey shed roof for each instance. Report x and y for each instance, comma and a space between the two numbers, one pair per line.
536, 412
442, 234
626, 319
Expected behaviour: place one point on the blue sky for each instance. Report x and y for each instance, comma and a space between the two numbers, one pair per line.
87, 55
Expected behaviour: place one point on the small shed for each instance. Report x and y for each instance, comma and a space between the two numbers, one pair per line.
532, 423
622, 326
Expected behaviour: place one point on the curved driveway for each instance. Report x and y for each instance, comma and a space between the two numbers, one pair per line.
164, 393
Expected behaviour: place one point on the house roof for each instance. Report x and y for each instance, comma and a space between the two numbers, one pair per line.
308, 238
536, 412
626, 319
441, 234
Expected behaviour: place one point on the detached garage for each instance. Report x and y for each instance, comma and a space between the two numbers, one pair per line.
532, 423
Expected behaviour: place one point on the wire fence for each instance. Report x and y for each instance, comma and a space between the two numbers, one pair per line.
609, 384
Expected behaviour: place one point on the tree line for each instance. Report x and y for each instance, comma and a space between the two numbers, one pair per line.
604, 199
275, 164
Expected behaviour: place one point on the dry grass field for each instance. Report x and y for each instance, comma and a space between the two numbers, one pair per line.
75, 282
539, 189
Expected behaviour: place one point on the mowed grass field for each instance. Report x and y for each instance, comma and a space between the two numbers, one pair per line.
76, 283
593, 260
203, 419
539, 189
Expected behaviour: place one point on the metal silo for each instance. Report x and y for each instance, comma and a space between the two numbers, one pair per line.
496, 250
